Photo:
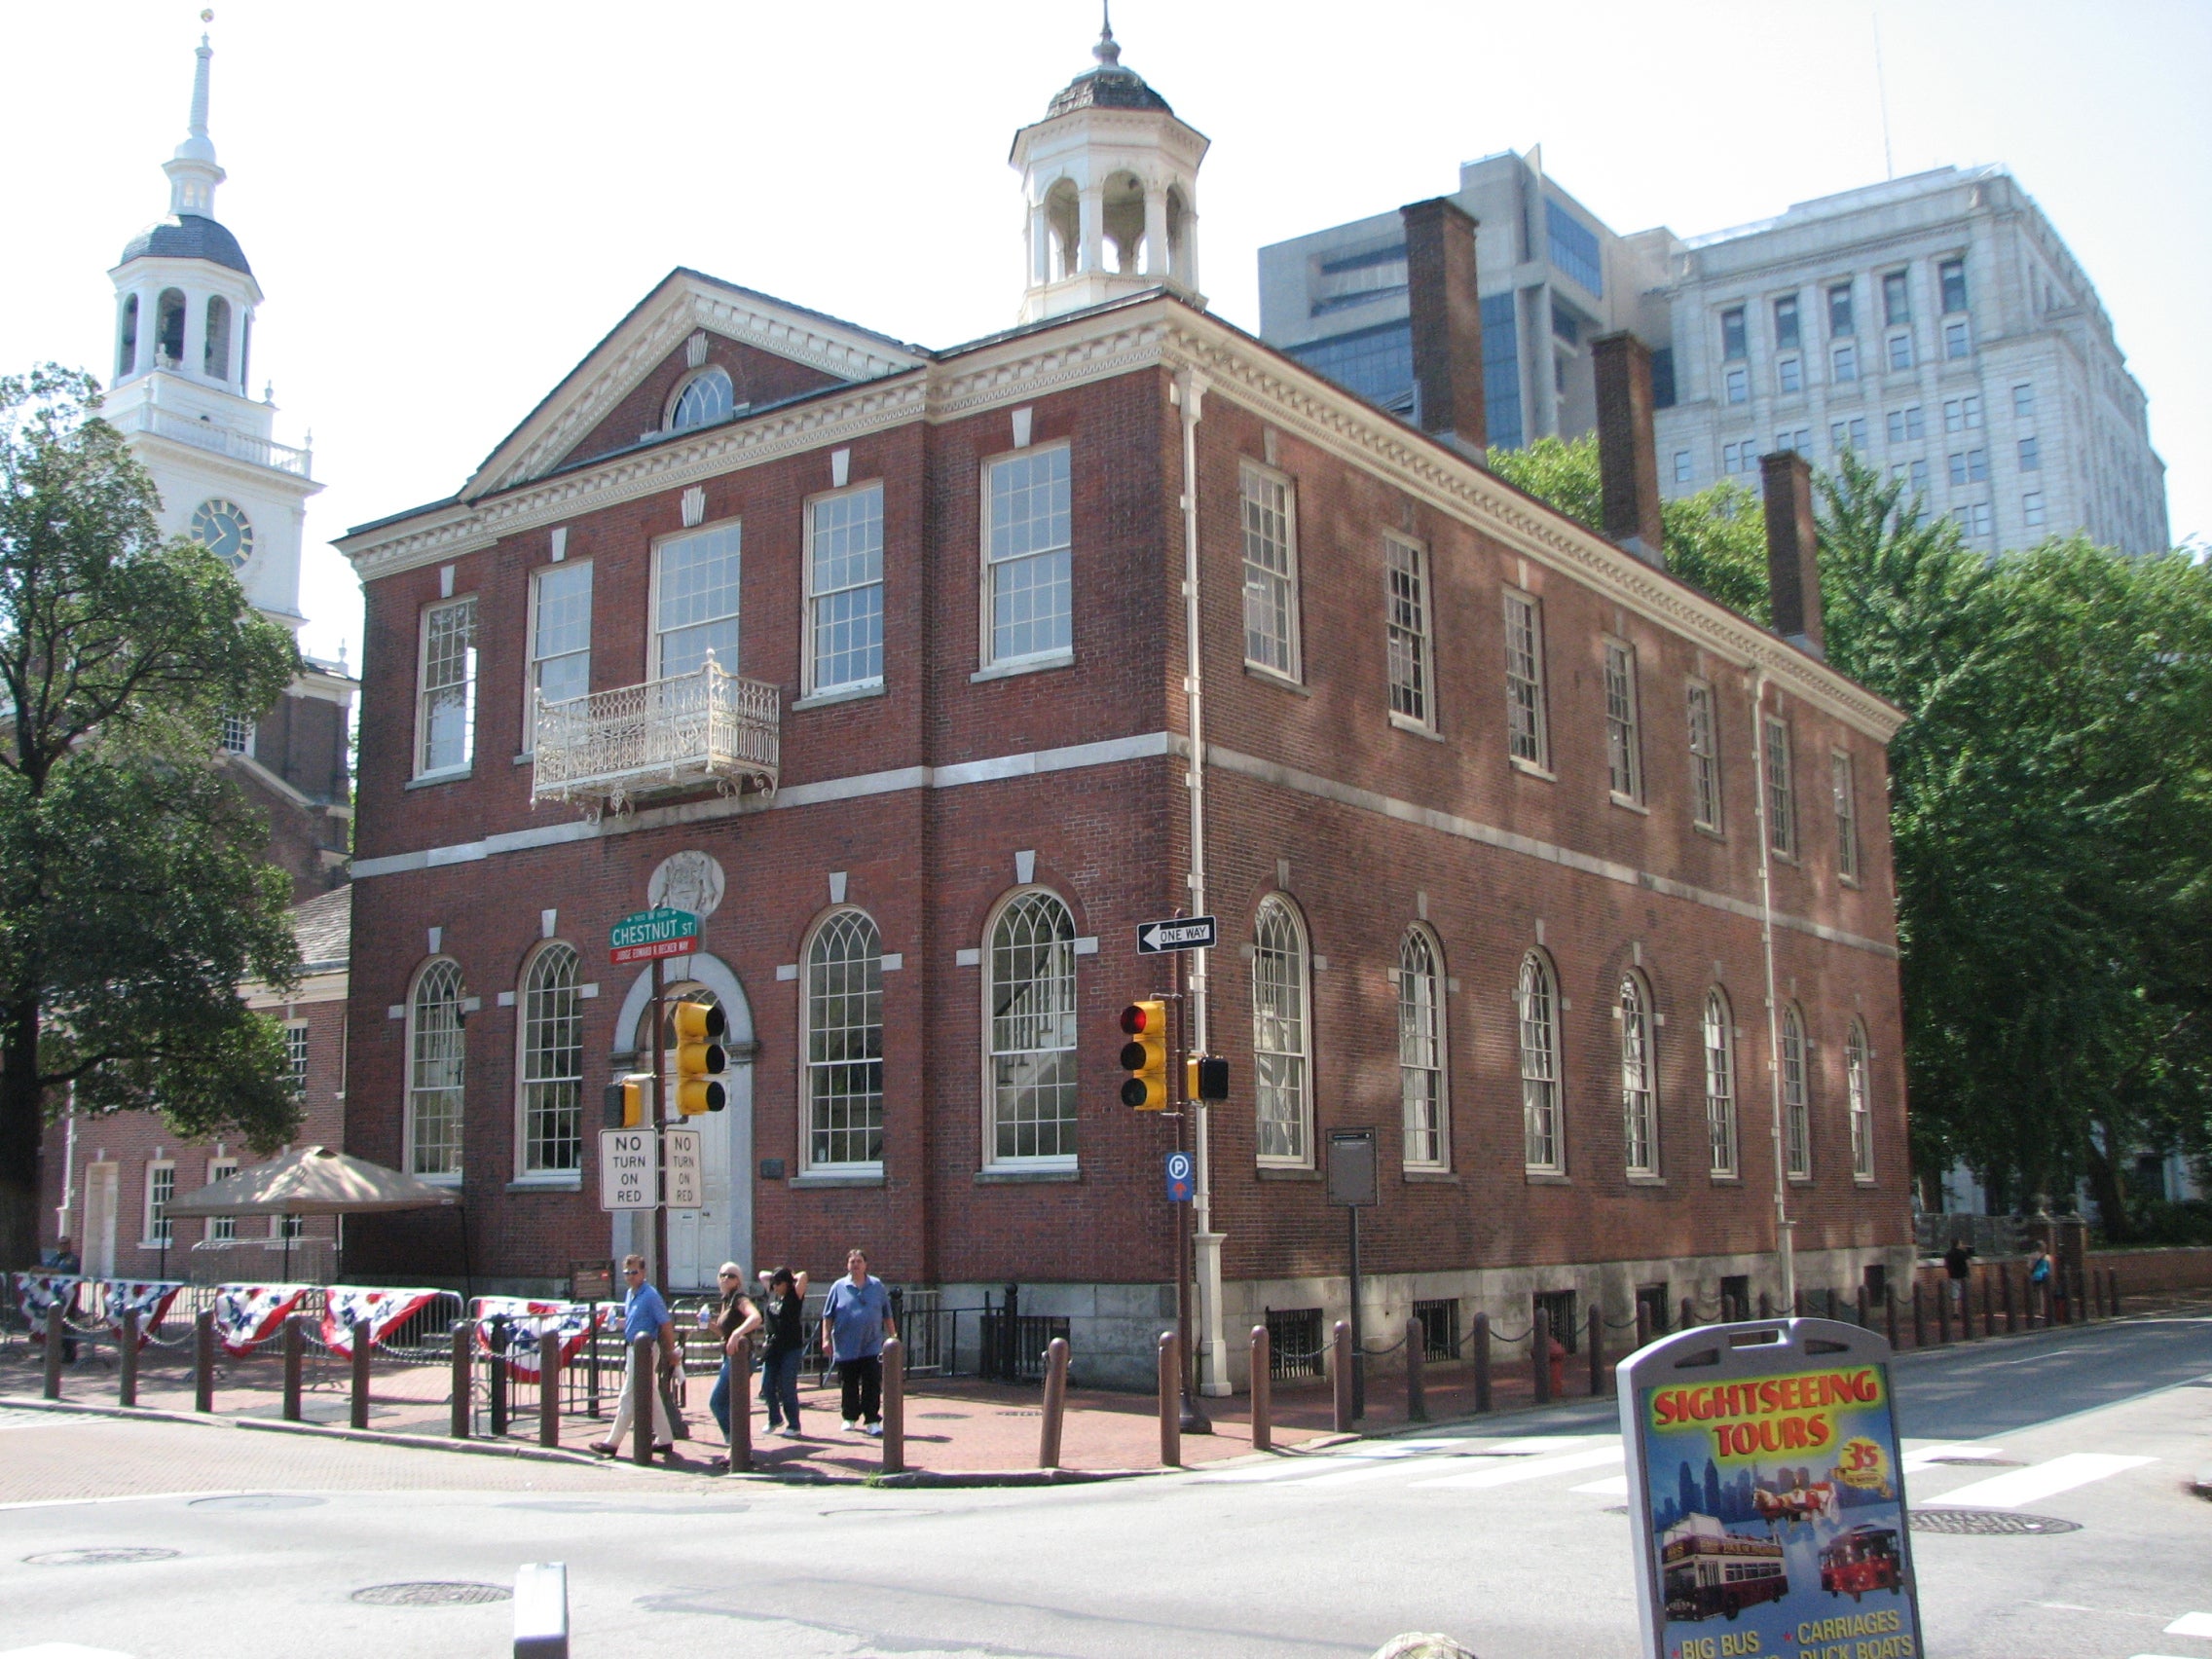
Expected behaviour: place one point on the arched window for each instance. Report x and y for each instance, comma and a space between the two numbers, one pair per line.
1639, 1118
168, 329
1859, 1079
215, 354
1720, 1083
1796, 1111
1280, 1036
1421, 1051
552, 1065
1030, 1000
706, 399
437, 1052
844, 1044
126, 338
1539, 1005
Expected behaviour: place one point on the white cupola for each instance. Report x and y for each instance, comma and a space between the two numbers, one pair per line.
1108, 180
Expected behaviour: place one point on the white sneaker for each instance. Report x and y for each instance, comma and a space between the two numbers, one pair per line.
875, 1429
850, 1425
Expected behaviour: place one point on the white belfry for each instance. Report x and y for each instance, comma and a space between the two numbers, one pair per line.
1109, 182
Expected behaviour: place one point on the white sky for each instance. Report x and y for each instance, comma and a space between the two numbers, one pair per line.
448, 205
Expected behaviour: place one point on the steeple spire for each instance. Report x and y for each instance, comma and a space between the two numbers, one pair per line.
193, 171
1108, 51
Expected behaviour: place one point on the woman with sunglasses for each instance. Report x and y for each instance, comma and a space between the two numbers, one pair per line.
734, 1320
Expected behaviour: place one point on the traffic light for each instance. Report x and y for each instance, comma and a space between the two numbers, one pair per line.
1205, 1078
1144, 1056
699, 1058
626, 1101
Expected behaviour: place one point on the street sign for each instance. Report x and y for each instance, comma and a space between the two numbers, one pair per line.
681, 1160
1764, 1484
626, 1170
1351, 1166
1177, 933
1179, 1177
644, 934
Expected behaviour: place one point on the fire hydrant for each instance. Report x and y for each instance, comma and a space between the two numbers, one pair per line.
1558, 1366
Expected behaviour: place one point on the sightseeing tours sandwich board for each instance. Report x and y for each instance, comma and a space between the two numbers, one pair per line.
1763, 1477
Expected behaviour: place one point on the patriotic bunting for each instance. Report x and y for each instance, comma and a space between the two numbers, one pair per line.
344, 1307
246, 1315
35, 1293
527, 1321
149, 1299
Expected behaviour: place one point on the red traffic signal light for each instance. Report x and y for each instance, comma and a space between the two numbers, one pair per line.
1144, 1056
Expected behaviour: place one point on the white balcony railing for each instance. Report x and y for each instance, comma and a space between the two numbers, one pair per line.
698, 730
225, 440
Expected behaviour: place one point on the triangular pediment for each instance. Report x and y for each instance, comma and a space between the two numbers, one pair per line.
585, 415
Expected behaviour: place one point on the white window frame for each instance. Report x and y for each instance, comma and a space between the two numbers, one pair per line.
1716, 1035
1843, 790
1536, 1010
1407, 635
988, 654
1706, 803
810, 653
656, 636
2032, 511
1624, 729
443, 967
1858, 1086
1063, 957
1282, 1073
1270, 593
1780, 783
298, 1055
221, 1229
472, 656
1685, 469
844, 921
1423, 1052
1789, 375
533, 670
156, 1228
238, 734
683, 390
1898, 356
1796, 1096
538, 1087
1528, 725
1843, 359
1640, 1076
1736, 383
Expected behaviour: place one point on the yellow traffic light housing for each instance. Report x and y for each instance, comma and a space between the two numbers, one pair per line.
1144, 1056
626, 1101
699, 1058
1205, 1078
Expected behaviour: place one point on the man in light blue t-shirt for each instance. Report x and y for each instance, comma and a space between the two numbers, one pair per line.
855, 1320
643, 1314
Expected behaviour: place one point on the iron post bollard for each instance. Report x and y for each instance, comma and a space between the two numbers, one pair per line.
1171, 1401
591, 1342
1540, 1355
54, 1341
1919, 1317
363, 1350
1943, 1313
464, 1379
1263, 1390
1417, 1380
1341, 1377
2113, 1274
548, 1388
1988, 1305
643, 1386
499, 1377
894, 1406
295, 1358
2012, 1310
541, 1610
741, 1408
1481, 1362
204, 1361
1863, 1324
1597, 1373
126, 1361
1055, 1403
1890, 1313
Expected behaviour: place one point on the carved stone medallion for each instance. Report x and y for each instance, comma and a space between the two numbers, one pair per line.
690, 880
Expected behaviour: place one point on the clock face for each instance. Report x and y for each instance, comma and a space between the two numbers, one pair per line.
222, 528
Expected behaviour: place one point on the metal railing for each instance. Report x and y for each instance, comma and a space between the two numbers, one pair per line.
238, 1260
699, 729
226, 440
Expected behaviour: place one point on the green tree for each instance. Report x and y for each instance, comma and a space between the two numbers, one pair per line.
133, 898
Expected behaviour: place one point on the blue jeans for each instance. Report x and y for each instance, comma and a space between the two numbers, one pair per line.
718, 1401
778, 1385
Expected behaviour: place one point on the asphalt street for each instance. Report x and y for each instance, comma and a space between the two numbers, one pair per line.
1510, 1534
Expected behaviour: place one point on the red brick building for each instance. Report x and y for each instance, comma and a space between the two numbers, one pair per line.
880, 659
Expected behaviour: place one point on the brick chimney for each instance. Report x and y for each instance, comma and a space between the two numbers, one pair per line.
1792, 555
1447, 323
1627, 456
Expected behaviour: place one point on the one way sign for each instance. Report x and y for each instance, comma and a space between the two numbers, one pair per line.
1177, 933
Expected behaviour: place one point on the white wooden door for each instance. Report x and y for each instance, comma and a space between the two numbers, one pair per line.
721, 1229
102, 1182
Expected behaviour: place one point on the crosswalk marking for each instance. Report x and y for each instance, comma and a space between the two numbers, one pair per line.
1534, 1469
1613, 1486
2040, 1481
2191, 1624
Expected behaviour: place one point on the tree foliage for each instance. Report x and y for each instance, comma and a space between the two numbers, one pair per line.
2051, 812
133, 898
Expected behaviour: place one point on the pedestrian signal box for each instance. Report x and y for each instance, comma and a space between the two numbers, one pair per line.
1205, 1078
700, 1060
626, 1101
1144, 1056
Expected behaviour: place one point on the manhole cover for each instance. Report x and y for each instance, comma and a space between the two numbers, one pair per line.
1616, 1509
1981, 1462
1987, 1522
1035, 1414
943, 1417
99, 1558
259, 1500
432, 1593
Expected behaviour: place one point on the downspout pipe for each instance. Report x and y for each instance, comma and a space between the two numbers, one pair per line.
1785, 1259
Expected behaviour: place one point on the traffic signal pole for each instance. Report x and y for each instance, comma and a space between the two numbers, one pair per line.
1184, 1107
655, 1268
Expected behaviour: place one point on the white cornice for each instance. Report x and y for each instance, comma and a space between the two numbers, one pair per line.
1100, 346
191, 457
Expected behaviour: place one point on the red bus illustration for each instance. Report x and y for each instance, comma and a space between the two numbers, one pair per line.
1863, 1558
1706, 1569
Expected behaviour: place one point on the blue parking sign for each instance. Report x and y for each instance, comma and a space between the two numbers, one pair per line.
1178, 1178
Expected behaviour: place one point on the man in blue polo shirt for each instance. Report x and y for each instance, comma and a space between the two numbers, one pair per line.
643, 1314
855, 1320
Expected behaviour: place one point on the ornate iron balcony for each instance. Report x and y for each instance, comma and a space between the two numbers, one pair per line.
611, 748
